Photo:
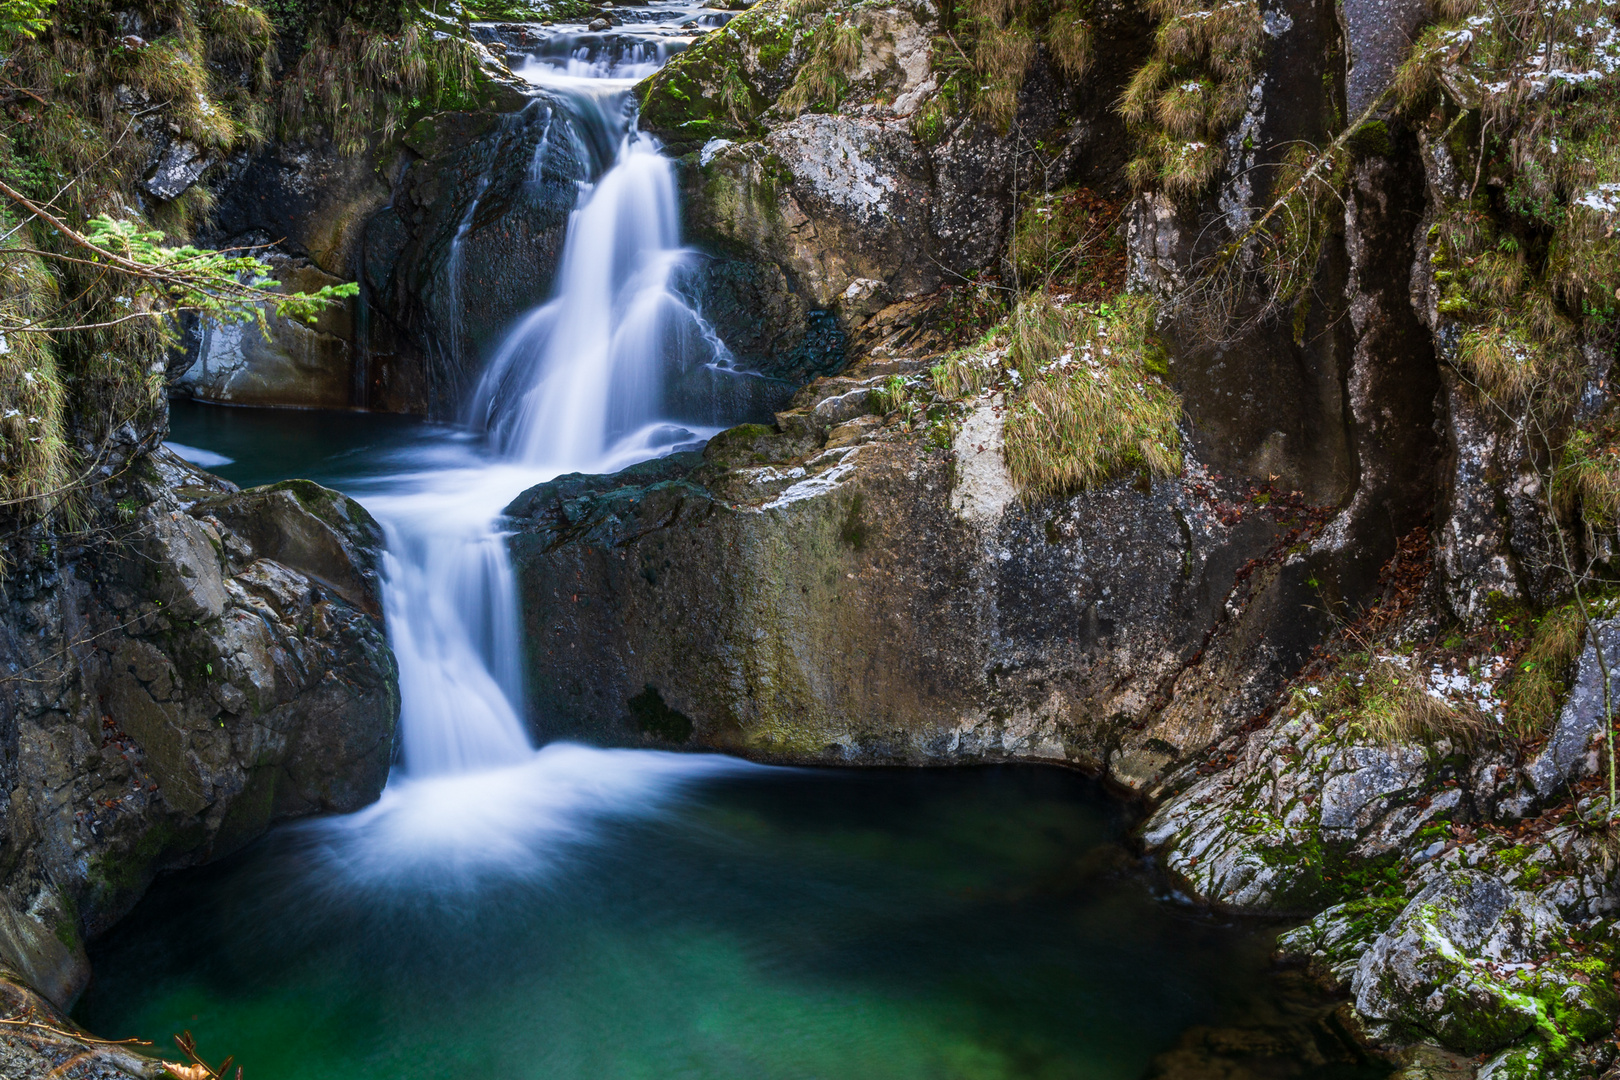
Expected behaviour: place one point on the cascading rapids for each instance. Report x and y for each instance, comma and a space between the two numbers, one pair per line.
580, 385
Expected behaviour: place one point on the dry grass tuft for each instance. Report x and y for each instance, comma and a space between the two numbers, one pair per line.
1386, 702
1092, 407
834, 50
985, 56
33, 447
1193, 87
359, 84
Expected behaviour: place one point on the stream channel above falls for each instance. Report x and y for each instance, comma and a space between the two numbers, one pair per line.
568, 912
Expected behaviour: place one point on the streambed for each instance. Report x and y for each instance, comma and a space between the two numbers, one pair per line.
569, 912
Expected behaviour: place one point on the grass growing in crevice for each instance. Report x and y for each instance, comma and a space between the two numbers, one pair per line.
1518, 103
834, 56
1195, 85
1526, 249
203, 74
1070, 241
360, 83
1382, 697
1540, 679
988, 47
33, 452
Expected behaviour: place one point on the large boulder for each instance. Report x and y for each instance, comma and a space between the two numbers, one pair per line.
1477, 964
222, 667
835, 589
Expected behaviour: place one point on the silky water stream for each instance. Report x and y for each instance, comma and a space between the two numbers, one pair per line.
565, 912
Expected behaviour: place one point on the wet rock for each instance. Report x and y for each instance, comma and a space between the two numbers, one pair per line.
1332, 943
817, 591
39, 1043
286, 362
169, 697
323, 534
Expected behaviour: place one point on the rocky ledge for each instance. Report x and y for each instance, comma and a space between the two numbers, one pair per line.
850, 587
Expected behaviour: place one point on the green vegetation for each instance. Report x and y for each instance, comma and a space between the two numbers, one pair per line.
834, 55
1070, 240
88, 286
1091, 408
1540, 678
361, 82
718, 87
1525, 251
1086, 400
1194, 87
530, 10
988, 46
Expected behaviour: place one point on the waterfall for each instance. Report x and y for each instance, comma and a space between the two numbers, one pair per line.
578, 385
585, 373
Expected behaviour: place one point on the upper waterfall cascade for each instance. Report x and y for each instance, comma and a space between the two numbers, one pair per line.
582, 383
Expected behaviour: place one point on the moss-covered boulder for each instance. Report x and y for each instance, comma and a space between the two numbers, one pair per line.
1477, 965
828, 170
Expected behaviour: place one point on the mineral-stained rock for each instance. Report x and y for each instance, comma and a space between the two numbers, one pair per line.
169, 696
1269, 833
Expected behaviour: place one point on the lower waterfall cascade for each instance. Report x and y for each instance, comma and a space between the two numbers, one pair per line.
577, 385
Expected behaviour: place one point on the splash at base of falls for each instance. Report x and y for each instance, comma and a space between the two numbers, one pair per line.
450, 833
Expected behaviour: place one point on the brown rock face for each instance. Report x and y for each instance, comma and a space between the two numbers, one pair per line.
218, 666
855, 595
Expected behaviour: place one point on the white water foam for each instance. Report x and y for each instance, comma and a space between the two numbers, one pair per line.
579, 385
452, 832
198, 456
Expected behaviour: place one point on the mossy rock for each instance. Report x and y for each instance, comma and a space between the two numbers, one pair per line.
442, 134
1457, 965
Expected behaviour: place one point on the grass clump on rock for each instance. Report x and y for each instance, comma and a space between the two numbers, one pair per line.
1087, 400
1193, 88
1093, 405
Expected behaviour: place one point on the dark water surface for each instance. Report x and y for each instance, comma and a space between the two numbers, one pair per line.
973, 923
333, 448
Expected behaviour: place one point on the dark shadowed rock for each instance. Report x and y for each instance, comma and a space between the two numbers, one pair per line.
168, 696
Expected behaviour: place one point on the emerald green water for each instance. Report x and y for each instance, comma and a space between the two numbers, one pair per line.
977, 924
